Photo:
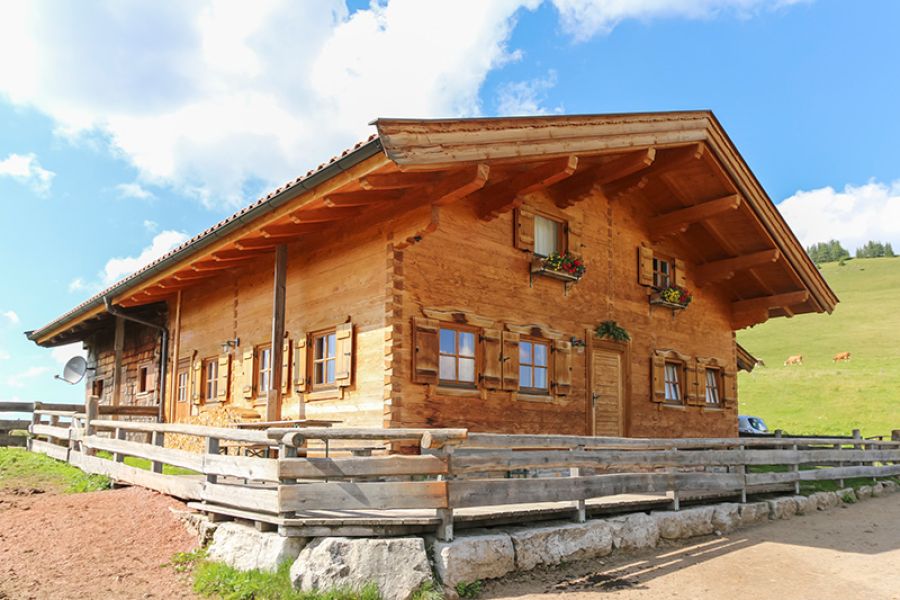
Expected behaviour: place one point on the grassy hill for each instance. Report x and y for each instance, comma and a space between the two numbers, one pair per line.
821, 397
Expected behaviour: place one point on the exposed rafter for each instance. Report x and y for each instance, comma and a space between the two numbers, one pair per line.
209, 265
394, 181
506, 194
237, 255
770, 302
664, 162
289, 230
324, 215
725, 269
679, 220
362, 198
458, 185
584, 185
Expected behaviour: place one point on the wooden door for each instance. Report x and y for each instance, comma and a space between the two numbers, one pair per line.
608, 377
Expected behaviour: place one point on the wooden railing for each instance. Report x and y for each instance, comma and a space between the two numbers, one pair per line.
308, 470
14, 424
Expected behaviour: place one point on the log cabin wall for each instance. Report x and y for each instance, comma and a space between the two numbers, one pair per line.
140, 366
473, 267
335, 280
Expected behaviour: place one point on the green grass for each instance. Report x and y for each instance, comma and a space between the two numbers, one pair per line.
143, 463
821, 397
27, 470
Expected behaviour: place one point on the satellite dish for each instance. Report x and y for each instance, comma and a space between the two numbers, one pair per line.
74, 370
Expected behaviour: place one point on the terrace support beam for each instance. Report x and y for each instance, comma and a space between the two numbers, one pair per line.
507, 194
118, 347
722, 270
678, 221
273, 397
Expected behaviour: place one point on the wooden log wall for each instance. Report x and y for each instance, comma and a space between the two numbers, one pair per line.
141, 350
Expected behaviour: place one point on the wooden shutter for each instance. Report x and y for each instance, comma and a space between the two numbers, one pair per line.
222, 384
343, 354
300, 365
658, 378
510, 360
492, 369
729, 388
645, 265
524, 229
562, 367
573, 238
196, 381
695, 382
248, 371
680, 279
286, 367
151, 378
426, 349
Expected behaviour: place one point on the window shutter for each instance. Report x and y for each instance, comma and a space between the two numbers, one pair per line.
343, 354
695, 376
248, 368
196, 381
510, 360
222, 384
286, 367
645, 265
573, 238
492, 370
679, 273
729, 389
300, 364
426, 348
562, 367
151, 379
524, 229
658, 377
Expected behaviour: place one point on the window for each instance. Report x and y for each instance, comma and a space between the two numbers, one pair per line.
457, 357
662, 272
211, 378
183, 386
713, 397
533, 361
264, 373
143, 373
97, 388
323, 360
547, 236
674, 386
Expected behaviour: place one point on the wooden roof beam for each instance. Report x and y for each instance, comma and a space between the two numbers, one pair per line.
506, 194
458, 185
770, 302
678, 221
362, 198
288, 231
664, 161
209, 265
399, 180
725, 269
324, 215
237, 255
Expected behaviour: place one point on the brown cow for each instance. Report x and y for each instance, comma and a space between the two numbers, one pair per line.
841, 356
797, 359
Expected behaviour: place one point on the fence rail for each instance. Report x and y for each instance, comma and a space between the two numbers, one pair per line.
305, 473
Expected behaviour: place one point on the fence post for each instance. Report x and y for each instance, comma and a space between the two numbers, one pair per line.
285, 451
159, 439
895, 435
119, 434
92, 411
445, 527
796, 469
580, 505
35, 419
676, 494
742, 469
840, 465
212, 447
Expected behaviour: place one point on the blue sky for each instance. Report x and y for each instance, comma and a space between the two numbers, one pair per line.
126, 127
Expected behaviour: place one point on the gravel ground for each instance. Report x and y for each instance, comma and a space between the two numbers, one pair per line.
111, 544
844, 554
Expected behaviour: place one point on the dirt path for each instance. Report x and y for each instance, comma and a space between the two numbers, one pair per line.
110, 544
847, 553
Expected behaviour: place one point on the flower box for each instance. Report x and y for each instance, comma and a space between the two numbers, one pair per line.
539, 268
674, 297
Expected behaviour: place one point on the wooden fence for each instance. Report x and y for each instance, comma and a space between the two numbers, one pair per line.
310, 480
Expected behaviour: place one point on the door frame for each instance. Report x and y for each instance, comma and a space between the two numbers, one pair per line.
624, 349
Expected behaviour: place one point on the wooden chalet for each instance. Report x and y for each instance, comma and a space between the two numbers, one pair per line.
428, 278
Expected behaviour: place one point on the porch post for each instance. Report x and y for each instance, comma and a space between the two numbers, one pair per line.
273, 398
118, 347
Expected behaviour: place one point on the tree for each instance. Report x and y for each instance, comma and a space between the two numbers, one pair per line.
873, 249
829, 251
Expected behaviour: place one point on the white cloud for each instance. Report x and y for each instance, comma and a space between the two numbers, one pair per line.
62, 354
133, 190
26, 169
18, 380
518, 98
585, 18
117, 268
78, 285
12, 317
151, 226
852, 216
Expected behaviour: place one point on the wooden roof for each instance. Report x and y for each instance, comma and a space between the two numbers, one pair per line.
681, 165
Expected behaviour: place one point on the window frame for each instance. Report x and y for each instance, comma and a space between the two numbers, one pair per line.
718, 379
561, 228
210, 383
183, 377
458, 328
680, 382
657, 273
530, 390
263, 368
97, 388
312, 361
143, 378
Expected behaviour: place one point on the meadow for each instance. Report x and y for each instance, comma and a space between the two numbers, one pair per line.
823, 397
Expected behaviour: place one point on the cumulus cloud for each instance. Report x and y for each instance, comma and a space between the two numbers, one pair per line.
585, 18
12, 317
852, 216
520, 98
26, 169
19, 380
133, 190
117, 268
